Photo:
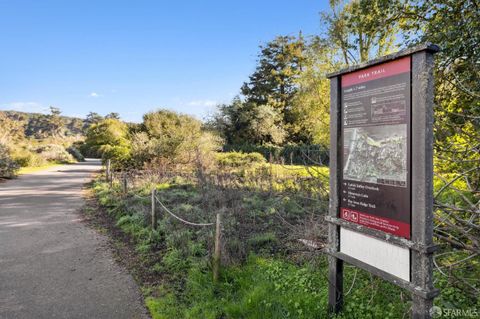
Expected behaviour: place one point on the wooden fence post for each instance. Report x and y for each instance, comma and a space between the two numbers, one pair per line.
217, 254
154, 213
125, 184
107, 173
270, 160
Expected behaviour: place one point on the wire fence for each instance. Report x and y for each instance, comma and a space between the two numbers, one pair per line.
298, 200
179, 218
154, 200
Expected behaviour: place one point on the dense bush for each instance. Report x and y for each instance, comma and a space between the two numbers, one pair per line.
172, 136
119, 154
76, 153
8, 166
54, 153
238, 159
25, 158
35, 156
87, 151
109, 135
291, 154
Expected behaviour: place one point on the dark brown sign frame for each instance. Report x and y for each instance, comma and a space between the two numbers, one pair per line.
420, 238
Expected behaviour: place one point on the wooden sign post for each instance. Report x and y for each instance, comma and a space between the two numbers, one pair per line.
153, 209
108, 171
381, 174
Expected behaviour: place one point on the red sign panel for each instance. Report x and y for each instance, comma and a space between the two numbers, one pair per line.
377, 72
375, 185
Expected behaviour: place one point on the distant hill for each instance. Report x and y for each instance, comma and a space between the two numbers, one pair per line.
36, 123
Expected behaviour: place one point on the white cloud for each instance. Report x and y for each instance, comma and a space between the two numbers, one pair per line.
94, 94
203, 103
24, 107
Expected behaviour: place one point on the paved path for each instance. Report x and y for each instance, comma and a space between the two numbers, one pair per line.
51, 264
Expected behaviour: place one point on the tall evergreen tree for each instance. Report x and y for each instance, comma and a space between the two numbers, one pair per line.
264, 111
280, 62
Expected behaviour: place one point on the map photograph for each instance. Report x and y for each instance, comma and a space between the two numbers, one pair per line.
376, 154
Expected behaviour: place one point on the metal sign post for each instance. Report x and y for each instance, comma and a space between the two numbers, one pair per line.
381, 174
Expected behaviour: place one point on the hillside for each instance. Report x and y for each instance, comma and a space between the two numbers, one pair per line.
36, 124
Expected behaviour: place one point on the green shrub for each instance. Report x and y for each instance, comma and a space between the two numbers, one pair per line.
119, 154
175, 261
76, 153
237, 159
8, 166
26, 158
259, 241
88, 150
315, 154
54, 153
104, 135
164, 307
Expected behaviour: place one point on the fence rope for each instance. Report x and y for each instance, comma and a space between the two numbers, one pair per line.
180, 219
141, 197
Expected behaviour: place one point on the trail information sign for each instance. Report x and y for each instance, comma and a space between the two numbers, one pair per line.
375, 186
381, 174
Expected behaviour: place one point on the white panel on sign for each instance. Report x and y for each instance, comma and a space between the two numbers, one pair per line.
390, 258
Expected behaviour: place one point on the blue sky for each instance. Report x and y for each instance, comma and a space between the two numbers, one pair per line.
131, 57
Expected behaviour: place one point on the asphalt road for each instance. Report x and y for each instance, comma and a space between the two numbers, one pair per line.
51, 264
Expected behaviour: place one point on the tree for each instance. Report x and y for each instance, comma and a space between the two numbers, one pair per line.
248, 123
172, 136
76, 126
230, 122
310, 114
92, 118
263, 113
55, 123
273, 82
363, 29
11, 130
263, 125
169, 138
8, 167
455, 27
113, 115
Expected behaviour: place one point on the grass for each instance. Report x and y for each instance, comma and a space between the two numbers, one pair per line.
29, 170
264, 275
274, 288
